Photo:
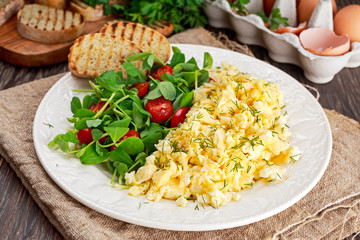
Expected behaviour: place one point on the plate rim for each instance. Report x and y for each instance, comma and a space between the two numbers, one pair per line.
190, 227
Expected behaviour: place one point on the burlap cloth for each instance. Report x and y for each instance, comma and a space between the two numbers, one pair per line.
330, 211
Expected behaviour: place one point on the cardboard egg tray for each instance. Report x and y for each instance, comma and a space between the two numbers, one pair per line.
285, 48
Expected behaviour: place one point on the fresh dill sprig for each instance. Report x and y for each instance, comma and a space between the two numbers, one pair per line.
293, 157
248, 169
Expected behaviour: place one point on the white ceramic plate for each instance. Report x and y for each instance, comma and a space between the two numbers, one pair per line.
90, 185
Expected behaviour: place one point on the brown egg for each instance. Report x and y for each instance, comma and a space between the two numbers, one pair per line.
347, 21
306, 8
269, 4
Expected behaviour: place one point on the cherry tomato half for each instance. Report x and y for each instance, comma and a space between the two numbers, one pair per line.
160, 71
97, 106
179, 116
160, 109
141, 87
130, 133
85, 137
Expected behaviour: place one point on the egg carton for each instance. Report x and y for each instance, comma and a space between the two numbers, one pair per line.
286, 47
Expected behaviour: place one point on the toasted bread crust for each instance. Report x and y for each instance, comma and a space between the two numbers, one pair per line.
146, 38
7, 10
89, 13
60, 4
48, 25
163, 27
96, 53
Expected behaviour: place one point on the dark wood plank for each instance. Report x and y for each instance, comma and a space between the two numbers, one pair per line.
11, 75
20, 51
21, 218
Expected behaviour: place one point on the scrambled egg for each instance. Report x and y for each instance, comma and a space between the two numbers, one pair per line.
234, 135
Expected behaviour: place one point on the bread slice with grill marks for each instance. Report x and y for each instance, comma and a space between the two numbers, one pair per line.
89, 13
149, 40
96, 53
48, 25
8, 8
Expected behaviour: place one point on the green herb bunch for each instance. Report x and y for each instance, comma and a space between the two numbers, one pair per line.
181, 13
105, 3
123, 110
274, 20
239, 6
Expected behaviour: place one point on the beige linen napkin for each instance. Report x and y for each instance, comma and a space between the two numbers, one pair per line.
330, 211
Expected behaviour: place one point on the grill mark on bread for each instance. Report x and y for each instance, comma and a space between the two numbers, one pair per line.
122, 33
151, 37
92, 40
32, 22
162, 38
79, 40
107, 49
55, 20
48, 25
63, 20
101, 52
133, 31
82, 52
142, 34
113, 27
146, 38
38, 19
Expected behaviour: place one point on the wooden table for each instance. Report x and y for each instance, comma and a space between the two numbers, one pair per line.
21, 218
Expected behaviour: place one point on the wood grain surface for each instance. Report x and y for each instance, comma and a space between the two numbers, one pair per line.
17, 50
21, 218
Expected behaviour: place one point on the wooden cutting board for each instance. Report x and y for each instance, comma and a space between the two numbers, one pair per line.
19, 51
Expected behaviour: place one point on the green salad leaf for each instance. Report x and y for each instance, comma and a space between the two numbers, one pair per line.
112, 124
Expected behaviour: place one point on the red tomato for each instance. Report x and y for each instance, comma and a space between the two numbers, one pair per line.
160, 71
85, 137
141, 87
179, 116
211, 80
160, 109
130, 133
97, 106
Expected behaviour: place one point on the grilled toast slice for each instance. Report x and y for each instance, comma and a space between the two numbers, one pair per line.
146, 38
89, 13
96, 53
8, 8
48, 25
